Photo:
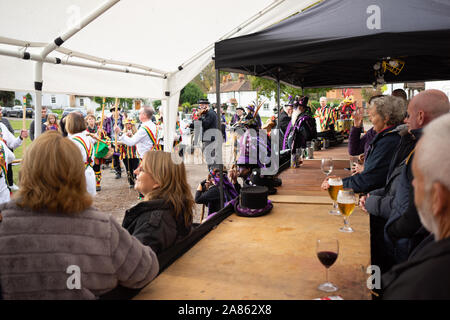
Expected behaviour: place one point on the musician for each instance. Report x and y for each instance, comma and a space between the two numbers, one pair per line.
208, 120
251, 114
108, 126
302, 127
285, 116
238, 116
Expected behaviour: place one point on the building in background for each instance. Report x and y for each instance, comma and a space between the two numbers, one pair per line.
240, 93
60, 101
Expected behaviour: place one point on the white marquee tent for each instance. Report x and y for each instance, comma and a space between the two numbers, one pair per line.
122, 48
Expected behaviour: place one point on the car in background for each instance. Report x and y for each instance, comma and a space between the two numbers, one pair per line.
17, 111
6, 111
69, 110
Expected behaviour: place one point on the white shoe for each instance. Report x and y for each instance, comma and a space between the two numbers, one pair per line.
14, 187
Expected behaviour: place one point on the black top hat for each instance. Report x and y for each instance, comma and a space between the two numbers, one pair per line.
253, 202
203, 101
303, 101
113, 109
241, 108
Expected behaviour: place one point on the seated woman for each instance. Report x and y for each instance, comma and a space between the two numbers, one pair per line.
55, 245
165, 215
386, 114
208, 191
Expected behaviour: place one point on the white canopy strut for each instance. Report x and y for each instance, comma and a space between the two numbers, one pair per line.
78, 72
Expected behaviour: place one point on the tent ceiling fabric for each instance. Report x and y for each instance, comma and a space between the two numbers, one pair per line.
337, 43
161, 34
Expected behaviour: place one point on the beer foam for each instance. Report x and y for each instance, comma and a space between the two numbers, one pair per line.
346, 199
335, 182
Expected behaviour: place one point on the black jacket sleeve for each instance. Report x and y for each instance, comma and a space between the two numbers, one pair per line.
210, 195
32, 130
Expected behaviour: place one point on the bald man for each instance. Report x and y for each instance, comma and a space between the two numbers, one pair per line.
426, 273
393, 205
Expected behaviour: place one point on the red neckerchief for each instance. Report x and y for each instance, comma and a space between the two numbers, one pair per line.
390, 127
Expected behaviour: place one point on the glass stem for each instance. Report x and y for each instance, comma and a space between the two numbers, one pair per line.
326, 272
346, 224
335, 206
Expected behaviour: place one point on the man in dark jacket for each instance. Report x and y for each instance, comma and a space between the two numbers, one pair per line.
425, 275
208, 120
44, 119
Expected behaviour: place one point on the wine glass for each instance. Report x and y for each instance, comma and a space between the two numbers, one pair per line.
327, 166
336, 184
354, 160
346, 201
327, 251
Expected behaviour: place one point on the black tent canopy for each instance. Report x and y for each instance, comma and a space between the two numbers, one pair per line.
338, 42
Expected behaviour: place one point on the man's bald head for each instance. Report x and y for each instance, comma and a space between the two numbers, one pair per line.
425, 107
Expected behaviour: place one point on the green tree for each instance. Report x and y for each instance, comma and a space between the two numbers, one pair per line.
29, 99
156, 104
191, 93
268, 88
7, 98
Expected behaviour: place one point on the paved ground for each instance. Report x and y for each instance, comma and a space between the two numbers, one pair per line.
116, 196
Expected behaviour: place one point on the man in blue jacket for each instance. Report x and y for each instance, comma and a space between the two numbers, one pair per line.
425, 275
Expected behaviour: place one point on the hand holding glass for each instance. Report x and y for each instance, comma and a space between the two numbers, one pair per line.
335, 186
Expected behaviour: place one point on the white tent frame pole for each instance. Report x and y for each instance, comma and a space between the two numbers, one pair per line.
38, 89
71, 53
80, 25
233, 32
54, 60
38, 77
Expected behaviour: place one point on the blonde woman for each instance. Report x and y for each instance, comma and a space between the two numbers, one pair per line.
165, 215
76, 129
55, 245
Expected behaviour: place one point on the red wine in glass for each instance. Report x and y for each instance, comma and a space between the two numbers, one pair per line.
327, 258
327, 251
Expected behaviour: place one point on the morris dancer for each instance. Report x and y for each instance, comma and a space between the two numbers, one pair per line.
76, 129
145, 137
108, 126
6, 157
93, 131
128, 154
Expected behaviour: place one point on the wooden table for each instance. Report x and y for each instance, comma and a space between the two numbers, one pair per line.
271, 257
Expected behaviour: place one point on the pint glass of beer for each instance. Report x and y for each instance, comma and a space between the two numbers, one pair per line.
347, 201
335, 185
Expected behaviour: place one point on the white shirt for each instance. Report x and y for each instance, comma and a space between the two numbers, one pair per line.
4, 191
10, 139
140, 139
89, 172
